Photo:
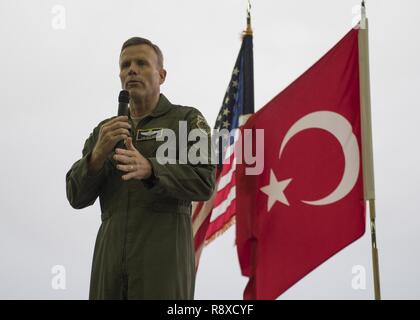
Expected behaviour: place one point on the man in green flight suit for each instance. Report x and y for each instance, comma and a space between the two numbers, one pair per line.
144, 247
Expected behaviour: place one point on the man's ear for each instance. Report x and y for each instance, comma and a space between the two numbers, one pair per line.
162, 74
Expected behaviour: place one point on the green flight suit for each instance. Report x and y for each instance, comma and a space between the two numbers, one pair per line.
144, 247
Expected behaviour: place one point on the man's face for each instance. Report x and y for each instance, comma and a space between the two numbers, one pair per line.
140, 72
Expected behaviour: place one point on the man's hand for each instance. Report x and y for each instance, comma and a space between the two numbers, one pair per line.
109, 134
132, 162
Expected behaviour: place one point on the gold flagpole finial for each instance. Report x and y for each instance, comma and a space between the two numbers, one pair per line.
248, 30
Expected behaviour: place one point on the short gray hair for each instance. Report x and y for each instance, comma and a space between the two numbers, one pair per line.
134, 41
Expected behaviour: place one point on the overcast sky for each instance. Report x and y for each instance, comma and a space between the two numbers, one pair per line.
59, 80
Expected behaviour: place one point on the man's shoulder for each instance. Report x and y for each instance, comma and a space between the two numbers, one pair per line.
193, 116
180, 111
185, 111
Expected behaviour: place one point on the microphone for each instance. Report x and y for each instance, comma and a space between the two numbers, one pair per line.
123, 100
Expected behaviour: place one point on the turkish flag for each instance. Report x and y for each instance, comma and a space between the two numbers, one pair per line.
307, 204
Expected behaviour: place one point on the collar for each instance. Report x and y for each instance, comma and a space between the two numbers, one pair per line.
162, 107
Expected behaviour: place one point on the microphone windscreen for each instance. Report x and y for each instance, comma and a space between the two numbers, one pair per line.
124, 96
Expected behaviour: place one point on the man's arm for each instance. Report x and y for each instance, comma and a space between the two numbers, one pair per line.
84, 179
182, 181
83, 182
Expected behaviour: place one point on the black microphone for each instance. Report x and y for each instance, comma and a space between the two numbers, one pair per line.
123, 100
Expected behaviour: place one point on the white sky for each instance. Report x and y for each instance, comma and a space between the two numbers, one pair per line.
57, 84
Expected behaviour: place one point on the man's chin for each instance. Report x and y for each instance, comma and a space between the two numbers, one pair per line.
135, 93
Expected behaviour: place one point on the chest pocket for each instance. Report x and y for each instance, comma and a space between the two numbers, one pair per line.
145, 140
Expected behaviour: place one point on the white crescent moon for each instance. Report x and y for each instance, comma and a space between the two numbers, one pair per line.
341, 128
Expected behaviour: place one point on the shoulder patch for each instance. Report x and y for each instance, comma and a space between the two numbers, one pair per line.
201, 124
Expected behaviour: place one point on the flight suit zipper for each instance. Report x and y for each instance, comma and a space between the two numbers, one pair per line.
124, 252
124, 274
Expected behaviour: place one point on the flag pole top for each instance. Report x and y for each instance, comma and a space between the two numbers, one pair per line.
248, 31
363, 15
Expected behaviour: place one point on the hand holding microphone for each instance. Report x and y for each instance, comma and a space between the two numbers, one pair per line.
111, 134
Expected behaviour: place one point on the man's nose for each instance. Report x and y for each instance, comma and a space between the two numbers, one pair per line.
132, 70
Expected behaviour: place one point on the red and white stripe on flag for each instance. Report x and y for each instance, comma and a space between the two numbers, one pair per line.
216, 215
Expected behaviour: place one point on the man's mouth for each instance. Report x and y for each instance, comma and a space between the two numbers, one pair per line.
133, 83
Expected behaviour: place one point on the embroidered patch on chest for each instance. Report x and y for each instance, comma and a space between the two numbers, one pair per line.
148, 134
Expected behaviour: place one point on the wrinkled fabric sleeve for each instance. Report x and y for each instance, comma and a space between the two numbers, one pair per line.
83, 188
185, 181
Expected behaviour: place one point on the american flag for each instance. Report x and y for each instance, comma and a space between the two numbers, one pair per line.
213, 217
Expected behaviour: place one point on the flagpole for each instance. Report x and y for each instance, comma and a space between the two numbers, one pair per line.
367, 154
248, 30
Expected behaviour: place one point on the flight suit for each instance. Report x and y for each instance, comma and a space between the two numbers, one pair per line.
144, 247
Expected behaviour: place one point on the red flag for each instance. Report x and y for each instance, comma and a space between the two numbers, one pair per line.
307, 204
